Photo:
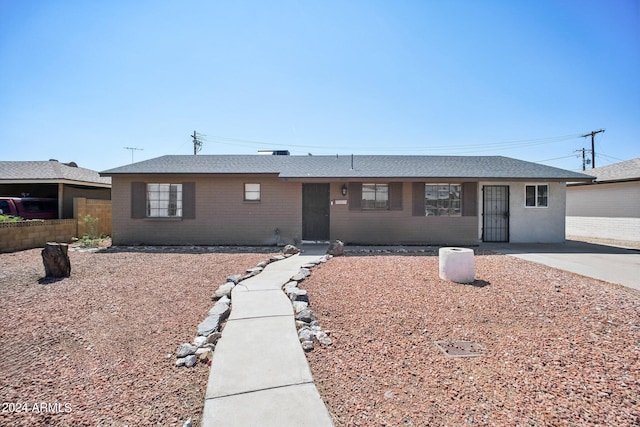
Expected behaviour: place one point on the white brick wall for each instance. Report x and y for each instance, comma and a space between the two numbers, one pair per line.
604, 228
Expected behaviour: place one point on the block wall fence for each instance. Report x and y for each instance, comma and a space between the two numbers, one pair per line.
21, 235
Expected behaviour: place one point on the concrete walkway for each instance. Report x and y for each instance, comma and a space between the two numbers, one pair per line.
259, 374
608, 263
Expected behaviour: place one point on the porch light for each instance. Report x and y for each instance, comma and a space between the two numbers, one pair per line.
344, 189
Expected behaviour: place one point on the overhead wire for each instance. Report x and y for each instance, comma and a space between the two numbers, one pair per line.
504, 145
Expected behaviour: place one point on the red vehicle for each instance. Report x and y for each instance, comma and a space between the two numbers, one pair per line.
29, 207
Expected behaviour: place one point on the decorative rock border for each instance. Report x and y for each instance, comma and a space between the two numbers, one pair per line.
209, 330
309, 331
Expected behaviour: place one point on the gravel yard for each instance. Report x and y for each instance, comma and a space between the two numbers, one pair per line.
560, 349
93, 347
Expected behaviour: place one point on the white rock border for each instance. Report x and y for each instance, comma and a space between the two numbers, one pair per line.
309, 331
209, 330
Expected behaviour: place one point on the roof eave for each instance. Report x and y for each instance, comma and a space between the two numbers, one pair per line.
54, 181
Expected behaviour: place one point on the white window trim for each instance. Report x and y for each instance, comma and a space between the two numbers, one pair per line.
376, 185
246, 191
535, 185
162, 204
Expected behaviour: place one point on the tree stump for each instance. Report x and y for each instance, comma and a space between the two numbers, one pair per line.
56, 260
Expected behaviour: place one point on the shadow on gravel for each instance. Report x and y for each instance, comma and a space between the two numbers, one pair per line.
353, 251
191, 249
478, 283
50, 280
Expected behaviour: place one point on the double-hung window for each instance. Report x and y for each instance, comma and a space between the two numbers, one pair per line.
442, 199
537, 196
375, 196
164, 200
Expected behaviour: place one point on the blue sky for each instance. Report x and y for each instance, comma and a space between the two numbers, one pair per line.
81, 80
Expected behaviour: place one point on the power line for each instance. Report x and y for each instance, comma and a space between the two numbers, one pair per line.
555, 158
611, 157
504, 145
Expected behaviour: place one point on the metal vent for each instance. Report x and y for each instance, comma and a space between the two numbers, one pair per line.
460, 348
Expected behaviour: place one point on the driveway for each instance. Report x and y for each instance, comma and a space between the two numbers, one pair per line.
608, 263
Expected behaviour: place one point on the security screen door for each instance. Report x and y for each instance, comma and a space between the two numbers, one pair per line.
495, 216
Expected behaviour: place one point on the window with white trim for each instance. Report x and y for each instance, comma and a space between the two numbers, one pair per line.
252, 192
536, 196
443, 199
164, 200
375, 196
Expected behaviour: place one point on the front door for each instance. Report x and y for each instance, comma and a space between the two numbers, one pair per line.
495, 216
315, 212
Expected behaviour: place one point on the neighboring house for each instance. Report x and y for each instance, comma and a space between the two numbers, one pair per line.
608, 208
52, 179
267, 200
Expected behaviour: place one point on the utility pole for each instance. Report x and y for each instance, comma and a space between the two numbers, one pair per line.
197, 143
132, 150
593, 147
585, 161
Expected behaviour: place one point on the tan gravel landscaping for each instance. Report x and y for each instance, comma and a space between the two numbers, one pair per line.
94, 348
560, 349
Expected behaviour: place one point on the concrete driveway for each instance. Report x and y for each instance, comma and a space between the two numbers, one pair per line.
609, 263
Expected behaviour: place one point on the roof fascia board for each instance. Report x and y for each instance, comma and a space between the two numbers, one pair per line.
55, 181
187, 174
596, 182
429, 179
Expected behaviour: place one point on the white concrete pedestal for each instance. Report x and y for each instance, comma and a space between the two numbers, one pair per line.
457, 265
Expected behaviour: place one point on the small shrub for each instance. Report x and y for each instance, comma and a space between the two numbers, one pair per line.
91, 238
92, 226
10, 218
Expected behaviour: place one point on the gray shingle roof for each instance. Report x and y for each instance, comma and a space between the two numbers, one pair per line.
11, 171
488, 167
623, 171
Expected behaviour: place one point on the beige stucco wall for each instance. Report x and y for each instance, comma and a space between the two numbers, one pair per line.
532, 225
222, 216
398, 227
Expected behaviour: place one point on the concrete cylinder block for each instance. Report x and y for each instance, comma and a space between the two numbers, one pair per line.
457, 265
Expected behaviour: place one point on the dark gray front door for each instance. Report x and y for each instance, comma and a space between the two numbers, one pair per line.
495, 208
315, 212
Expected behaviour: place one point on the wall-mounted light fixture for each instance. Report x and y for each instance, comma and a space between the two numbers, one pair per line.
344, 189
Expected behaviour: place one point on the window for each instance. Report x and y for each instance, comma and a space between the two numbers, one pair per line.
536, 196
375, 196
164, 200
442, 199
252, 192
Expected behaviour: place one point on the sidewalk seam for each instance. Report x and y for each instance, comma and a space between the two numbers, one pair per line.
260, 389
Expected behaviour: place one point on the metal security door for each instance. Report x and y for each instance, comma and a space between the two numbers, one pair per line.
495, 208
315, 212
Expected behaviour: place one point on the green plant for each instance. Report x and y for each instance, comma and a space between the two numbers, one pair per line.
92, 226
10, 218
91, 238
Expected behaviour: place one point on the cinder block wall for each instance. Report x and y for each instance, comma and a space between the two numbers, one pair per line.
100, 209
16, 236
